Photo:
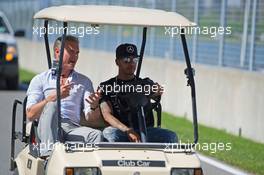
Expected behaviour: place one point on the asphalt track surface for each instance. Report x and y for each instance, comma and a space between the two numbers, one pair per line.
6, 101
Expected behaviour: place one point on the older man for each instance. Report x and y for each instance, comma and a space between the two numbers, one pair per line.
75, 91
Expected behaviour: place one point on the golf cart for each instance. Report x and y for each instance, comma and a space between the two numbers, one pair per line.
108, 158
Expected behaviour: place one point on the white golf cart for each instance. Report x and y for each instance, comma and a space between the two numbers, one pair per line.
108, 158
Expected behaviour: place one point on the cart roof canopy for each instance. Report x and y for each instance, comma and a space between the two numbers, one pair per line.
113, 15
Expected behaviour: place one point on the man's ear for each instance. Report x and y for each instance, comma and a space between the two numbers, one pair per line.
57, 52
116, 61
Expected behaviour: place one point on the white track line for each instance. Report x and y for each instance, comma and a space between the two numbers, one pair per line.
222, 166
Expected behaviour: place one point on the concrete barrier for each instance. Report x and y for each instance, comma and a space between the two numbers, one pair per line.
227, 99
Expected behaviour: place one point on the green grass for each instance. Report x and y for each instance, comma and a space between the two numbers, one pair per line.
25, 76
244, 153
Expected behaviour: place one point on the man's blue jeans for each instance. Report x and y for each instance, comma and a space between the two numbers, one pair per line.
156, 135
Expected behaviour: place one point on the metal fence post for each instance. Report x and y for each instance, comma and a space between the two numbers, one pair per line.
221, 40
119, 28
93, 40
173, 9
135, 29
106, 33
196, 18
17, 20
152, 34
245, 31
252, 40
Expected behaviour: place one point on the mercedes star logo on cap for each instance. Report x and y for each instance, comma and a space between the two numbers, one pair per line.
130, 49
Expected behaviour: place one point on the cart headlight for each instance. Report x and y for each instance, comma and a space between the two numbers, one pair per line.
181, 171
81, 171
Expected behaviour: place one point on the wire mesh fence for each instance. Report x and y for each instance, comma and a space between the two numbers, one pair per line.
242, 45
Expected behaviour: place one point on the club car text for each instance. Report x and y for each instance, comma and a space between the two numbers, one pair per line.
133, 163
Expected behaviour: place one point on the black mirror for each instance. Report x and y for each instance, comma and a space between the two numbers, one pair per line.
20, 33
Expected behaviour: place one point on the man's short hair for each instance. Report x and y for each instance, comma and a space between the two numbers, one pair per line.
57, 43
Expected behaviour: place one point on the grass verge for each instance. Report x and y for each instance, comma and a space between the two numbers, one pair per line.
25, 76
237, 151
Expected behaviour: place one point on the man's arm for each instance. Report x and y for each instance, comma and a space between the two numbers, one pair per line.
114, 122
34, 111
93, 116
91, 102
109, 118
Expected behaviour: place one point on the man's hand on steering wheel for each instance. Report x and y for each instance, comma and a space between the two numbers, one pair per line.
157, 91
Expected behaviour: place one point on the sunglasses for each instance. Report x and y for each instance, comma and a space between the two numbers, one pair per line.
130, 60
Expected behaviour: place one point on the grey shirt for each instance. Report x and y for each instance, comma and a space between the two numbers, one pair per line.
42, 84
